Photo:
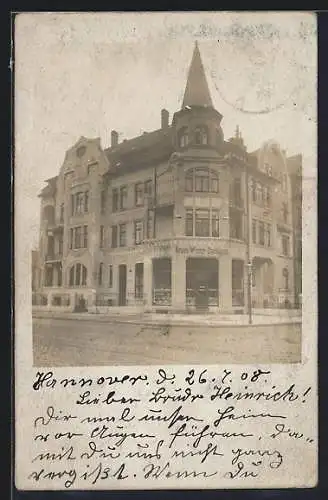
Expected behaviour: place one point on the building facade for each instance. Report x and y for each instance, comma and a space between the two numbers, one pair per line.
170, 220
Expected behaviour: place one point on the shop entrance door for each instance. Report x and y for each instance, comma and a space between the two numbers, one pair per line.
122, 285
202, 278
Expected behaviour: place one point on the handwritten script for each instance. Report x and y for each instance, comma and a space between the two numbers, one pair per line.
220, 427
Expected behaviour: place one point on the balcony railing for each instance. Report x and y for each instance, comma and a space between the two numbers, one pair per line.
54, 257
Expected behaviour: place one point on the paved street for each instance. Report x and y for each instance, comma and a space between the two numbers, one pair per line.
70, 342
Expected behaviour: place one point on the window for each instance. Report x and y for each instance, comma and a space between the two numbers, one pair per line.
86, 201
80, 203
235, 192
284, 212
201, 135
138, 232
218, 137
150, 224
49, 276
114, 200
102, 201
71, 236
138, 194
261, 233
236, 224
202, 180
202, 223
123, 197
202, 183
100, 274
77, 238
114, 236
60, 245
253, 190
189, 180
254, 239
110, 276
268, 196
78, 275
102, 237
285, 274
148, 187
268, 235
215, 224
285, 245
85, 236
138, 286
61, 217
183, 137
189, 222
122, 235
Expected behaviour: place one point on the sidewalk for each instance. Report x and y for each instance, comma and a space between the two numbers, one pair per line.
212, 320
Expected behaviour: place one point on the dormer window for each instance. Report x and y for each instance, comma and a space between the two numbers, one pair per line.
183, 137
81, 151
201, 136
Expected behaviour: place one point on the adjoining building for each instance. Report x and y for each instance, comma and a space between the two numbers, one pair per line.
171, 220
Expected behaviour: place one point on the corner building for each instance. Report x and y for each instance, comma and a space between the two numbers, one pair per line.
160, 219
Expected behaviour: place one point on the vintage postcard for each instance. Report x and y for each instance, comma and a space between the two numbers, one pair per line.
165, 250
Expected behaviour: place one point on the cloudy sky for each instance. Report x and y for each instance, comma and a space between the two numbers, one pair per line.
86, 74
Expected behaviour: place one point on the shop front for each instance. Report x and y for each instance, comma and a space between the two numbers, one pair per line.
185, 275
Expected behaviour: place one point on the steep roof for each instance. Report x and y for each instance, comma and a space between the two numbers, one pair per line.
197, 92
148, 147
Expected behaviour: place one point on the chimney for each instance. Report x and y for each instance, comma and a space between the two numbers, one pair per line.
164, 118
114, 138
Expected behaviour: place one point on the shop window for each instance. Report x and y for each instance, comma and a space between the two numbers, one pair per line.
183, 137
162, 272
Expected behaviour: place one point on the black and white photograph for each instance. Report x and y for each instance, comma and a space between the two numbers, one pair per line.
170, 198
165, 250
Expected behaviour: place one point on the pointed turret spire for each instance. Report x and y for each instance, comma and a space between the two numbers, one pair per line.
197, 92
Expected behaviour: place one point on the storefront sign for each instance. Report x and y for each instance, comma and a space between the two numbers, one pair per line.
195, 250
